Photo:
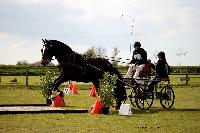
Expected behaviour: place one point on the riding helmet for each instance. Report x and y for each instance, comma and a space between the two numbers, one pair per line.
137, 44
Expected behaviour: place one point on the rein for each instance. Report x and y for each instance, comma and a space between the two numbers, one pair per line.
42, 50
85, 61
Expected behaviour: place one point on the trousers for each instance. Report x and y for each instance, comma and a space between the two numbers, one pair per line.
136, 68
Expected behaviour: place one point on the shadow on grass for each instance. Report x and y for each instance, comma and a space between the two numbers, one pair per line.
153, 110
138, 111
184, 110
157, 110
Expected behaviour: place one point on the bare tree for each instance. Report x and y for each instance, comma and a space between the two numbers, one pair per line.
101, 52
114, 58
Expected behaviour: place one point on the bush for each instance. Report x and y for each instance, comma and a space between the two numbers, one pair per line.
46, 82
106, 91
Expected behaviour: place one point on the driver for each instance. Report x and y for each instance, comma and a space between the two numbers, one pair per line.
139, 59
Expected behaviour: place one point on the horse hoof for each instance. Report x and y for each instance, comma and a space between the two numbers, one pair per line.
54, 94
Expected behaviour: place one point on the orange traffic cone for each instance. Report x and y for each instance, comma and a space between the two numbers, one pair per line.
70, 85
74, 89
58, 102
97, 107
92, 92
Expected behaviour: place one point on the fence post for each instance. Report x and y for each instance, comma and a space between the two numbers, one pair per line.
186, 77
0, 75
26, 76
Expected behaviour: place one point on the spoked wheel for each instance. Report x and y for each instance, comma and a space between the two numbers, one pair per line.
143, 99
167, 97
132, 97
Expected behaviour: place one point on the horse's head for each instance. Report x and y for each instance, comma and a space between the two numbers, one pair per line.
61, 51
47, 52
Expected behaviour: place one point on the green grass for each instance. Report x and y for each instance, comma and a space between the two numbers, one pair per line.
27, 95
146, 122
183, 117
194, 80
21, 80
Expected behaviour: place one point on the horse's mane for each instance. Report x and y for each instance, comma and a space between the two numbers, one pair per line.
58, 44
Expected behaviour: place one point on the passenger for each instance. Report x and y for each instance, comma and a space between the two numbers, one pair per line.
162, 71
139, 59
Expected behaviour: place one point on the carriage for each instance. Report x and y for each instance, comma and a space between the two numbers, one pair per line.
141, 97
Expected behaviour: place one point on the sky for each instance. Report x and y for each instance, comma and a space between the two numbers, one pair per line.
171, 26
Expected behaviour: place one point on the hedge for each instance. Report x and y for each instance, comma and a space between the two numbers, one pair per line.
12, 70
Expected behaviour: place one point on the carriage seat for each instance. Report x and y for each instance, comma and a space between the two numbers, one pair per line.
147, 71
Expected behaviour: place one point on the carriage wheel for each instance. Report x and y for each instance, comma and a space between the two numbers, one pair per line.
167, 97
144, 99
132, 97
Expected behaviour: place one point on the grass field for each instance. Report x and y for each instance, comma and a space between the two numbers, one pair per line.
183, 117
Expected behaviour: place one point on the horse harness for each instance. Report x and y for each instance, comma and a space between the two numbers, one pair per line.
71, 61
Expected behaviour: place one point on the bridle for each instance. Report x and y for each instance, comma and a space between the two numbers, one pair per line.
42, 50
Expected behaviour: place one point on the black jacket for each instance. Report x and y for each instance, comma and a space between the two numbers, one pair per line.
139, 57
162, 69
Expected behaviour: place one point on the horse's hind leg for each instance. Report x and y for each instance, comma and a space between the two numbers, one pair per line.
96, 84
120, 94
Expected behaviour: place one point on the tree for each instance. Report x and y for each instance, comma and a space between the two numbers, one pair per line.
95, 52
22, 63
38, 63
115, 59
90, 52
101, 52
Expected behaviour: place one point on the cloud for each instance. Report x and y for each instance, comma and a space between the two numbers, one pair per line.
158, 24
56, 17
15, 48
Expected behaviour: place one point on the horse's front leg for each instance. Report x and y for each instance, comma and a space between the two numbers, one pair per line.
56, 84
57, 81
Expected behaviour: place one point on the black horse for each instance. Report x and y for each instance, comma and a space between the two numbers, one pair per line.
76, 67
